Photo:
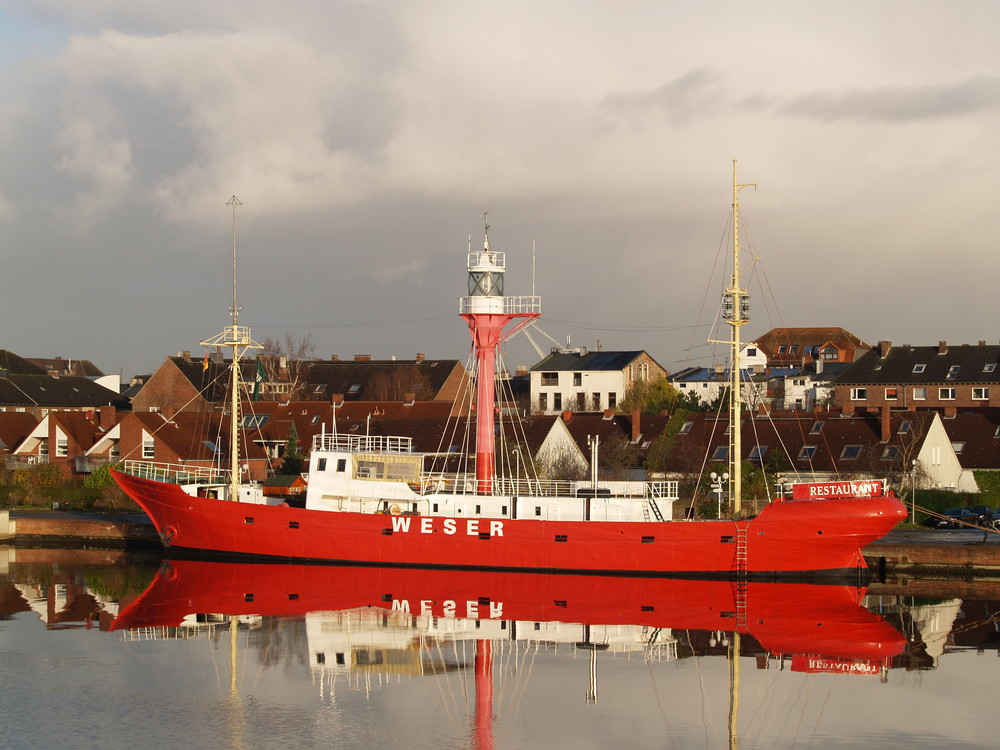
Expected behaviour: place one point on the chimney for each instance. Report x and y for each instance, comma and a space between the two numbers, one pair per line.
609, 414
942, 347
636, 431
522, 370
950, 411
337, 399
819, 367
567, 415
848, 410
409, 399
982, 343
362, 358
883, 348
334, 357
421, 356
886, 432
109, 416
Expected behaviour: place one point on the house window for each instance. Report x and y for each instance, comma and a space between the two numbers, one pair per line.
720, 453
577, 379
43, 448
597, 401
581, 401
890, 452
686, 428
782, 349
989, 367
550, 378
891, 394
116, 450
829, 353
254, 420
757, 454
148, 447
919, 394
850, 452
958, 447
859, 394
612, 400
793, 349
752, 351
953, 372
817, 428
946, 394
62, 446
980, 394
904, 427
557, 401
808, 451
543, 401
917, 369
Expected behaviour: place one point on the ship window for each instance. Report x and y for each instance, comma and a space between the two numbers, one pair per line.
434, 508
341, 464
647, 608
315, 419
484, 535
248, 597
479, 509
538, 510
293, 524
293, 597
562, 538
248, 519
503, 510
321, 464
850, 451
648, 539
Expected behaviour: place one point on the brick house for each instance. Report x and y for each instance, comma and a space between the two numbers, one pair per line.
791, 347
62, 438
942, 377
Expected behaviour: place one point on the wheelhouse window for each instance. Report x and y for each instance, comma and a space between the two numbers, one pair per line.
859, 394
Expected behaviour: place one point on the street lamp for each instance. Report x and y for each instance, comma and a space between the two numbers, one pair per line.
717, 483
913, 492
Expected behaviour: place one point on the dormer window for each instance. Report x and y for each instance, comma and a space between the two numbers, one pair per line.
817, 428
904, 427
917, 369
953, 372
685, 428
989, 367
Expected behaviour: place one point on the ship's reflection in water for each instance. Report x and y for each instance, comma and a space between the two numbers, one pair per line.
347, 657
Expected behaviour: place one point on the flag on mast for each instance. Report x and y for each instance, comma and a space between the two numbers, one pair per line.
258, 379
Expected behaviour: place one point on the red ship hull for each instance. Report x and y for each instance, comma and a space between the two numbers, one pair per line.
825, 621
817, 538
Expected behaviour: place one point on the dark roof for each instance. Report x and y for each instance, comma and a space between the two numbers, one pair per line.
901, 364
82, 367
590, 361
15, 365
14, 428
976, 437
379, 380
54, 391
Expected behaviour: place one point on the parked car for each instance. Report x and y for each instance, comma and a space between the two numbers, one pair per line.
996, 519
952, 519
984, 513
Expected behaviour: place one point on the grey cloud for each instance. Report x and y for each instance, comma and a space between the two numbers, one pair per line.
679, 100
899, 103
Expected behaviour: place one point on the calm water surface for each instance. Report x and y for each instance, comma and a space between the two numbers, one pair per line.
100, 650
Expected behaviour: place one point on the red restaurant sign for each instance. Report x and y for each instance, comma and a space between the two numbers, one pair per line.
817, 664
818, 490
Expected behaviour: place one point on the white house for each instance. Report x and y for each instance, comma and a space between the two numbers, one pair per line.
582, 381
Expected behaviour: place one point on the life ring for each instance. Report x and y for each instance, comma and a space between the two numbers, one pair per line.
395, 510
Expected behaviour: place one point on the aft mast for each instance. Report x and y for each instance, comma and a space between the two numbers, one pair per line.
736, 311
237, 338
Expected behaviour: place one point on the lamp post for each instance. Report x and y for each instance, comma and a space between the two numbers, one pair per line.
913, 492
717, 482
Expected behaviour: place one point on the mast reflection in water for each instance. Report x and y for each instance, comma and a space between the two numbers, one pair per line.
241, 655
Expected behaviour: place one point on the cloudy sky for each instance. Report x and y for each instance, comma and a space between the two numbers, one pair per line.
366, 139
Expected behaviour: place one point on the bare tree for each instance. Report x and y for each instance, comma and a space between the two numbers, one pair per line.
286, 366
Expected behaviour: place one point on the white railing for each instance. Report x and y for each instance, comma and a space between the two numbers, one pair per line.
462, 484
511, 305
176, 473
363, 443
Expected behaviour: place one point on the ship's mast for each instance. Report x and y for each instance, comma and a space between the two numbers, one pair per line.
237, 338
736, 311
488, 311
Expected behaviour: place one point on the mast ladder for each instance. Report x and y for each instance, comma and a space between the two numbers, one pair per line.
740, 560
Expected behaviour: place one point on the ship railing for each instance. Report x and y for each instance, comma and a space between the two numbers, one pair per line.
523, 305
363, 443
462, 484
175, 473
